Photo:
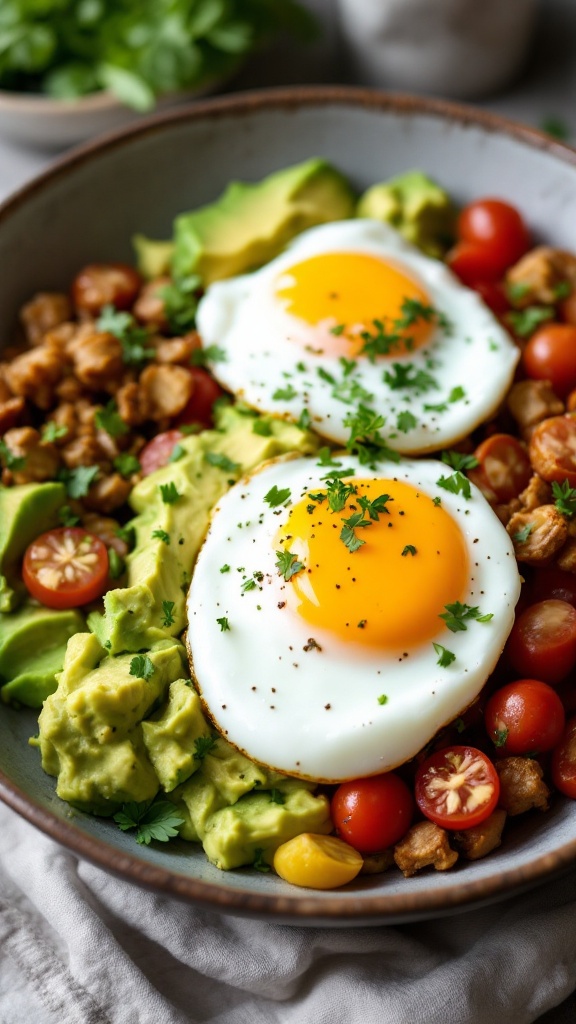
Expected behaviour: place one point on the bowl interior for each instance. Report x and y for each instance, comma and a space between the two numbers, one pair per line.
87, 209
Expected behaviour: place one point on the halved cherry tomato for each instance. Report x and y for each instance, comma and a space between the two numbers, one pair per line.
552, 449
542, 644
158, 451
564, 761
551, 355
472, 263
504, 469
525, 717
457, 787
105, 284
198, 408
498, 227
66, 568
374, 813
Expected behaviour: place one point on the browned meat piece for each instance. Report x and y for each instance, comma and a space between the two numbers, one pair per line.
108, 493
567, 558
41, 460
540, 272
149, 307
375, 863
531, 401
105, 284
521, 785
35, 374
83, 450
70, 390
130, 406
165, 390
481, 839
424, 845
537, 493
64, 417
44, 312
538, 535
177, 350
11, 412
107, 530
59, 337
505, 512
97, 358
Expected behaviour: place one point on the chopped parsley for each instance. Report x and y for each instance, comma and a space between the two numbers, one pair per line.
386, 337
564, 498
406, 421
161, 535
457, 615
210, 354
127, 534
110, 420
126, 464
382, 699
169, 492
409, 550
445, 657
287, 564
176, 453
9, 460
517, 290
52, 432
262, 427
224, 624
277, 497
500, 736
152, 819
202, 746
525, 321
365, 440
117, 565
142, 667
457, 483
222, 462
284, 394
377, 507
459, 461
405, 375
131, 336
521, 536
337, 494
78, 481
180, 299
168, 613
249, 585
224, 568
348, 532
304, 420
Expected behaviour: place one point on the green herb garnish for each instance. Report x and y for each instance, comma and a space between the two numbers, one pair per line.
142, 667
152, 819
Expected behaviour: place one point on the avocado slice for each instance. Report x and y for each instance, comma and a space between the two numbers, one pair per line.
252, 222
32, 648
416, 206
152, 258
26, 511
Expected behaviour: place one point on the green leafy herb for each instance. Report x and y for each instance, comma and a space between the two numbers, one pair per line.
525, 321
152, 819
161, 535
249, 585
382, 699
409, 550
78, 481
388, 336
304, 420
517, 290
564, 498
126, 464
445, 657
276, 797
287, 564
224, 624
405, 375
459, 461
168, 613
131, 336
169, 493
180, 299
456, 484
521, 536
500, 736
127, 534
325, 458
142, 667
9, 460
210, 354
52, 432
284, 394
222, 462
67, 516
348, 532
338, 329
177, 453
259, 863
337, 493
406, 421
110, 420
117, 565
262, 427
202, 746
224, 568
457, 615
277, 497
377, 507
437, 501
365, 440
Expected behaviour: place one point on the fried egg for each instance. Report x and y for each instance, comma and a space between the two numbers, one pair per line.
336, 622
352, 314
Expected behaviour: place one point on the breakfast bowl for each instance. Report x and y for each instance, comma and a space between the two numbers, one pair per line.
86, 209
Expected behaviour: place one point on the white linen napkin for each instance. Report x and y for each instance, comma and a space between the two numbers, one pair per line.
78, 946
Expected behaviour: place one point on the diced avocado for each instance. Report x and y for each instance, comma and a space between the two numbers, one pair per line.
169, 533
152, 258
202, 800
257, 823
32, 647
252, 222
416, 206
90, 728
25, 512
170, 735
232, 774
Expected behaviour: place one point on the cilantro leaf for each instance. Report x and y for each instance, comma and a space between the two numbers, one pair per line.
110, 420
377, 507
457, 615
405, 375
153, 820
445, 657
284, 394
52, 432
406, 421
521, 536
564, 498
525, 321
142, 667
202, 746
287, 564
382, 699
456, 484
409, 549
224, 624
366, 441
222, 462
277, 497
304, 420
168, 613
131, 336
78, 481
126, 464
459, 461
169, 493
348, 531
161, 535
210, 354
337, 493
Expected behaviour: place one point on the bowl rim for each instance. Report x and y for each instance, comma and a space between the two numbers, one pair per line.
304, 906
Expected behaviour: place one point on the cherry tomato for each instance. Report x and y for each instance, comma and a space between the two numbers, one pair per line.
158, 451
374, 813
552, 582
493, 295
105, 284
552, 449
551, 355
524, 717
198, 408
564, 761
504, 469
66, 568
496, 226
542, 643
457, 787
472, 263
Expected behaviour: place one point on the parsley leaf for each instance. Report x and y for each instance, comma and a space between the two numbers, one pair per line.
78, 481
152, 819
287, 564
210, 354
142, 667
409, 550
224, 624
169, 492
277, 497
181, 302
406, 421
168, 613
161, 535
284, 394
110, 420
366, 441
126, 464
262, 427
52, 432
202, 746
131, 336
338, 493
459, 461
445, 657
304, 420
525, 321
222, 462
405, 375
348, 534
457, 615
456, 484
564, 498
382, 699
521, 536
376, 507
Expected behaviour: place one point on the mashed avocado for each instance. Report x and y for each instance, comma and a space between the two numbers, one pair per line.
416, 206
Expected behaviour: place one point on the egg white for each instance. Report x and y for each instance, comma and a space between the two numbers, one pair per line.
475, 361
316, 713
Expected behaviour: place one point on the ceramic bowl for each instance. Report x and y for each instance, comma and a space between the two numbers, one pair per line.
87, 208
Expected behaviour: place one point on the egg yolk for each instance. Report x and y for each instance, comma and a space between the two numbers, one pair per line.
389, 592
345, 294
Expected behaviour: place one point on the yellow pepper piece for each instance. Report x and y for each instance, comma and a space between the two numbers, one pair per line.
317, 862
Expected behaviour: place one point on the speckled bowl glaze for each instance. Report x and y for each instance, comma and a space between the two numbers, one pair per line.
86, 208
